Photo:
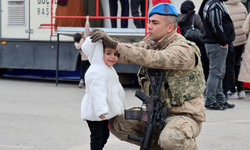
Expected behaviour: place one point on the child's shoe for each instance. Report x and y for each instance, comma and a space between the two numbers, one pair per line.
242, 94
233, 95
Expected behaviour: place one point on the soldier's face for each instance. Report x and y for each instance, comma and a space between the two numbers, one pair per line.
158, 27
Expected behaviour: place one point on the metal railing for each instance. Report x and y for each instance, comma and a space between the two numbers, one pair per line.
99, 17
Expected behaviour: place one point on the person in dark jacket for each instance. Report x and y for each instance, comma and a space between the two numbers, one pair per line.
218, 34
184, 21
185, 18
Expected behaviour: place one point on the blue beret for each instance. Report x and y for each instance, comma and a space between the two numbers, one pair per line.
164, 9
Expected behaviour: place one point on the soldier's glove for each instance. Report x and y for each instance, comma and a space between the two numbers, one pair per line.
99, 34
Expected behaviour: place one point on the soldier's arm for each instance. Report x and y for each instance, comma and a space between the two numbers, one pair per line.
177, 56
127, 60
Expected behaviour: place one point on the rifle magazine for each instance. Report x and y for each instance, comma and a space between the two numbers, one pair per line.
136, 115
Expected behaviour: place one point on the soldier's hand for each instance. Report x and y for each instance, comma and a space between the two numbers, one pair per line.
95, 30
99, 34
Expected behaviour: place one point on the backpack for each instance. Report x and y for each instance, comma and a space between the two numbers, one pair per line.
193, 34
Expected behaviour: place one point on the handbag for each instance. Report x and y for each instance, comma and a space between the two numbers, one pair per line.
62, 2
193, 34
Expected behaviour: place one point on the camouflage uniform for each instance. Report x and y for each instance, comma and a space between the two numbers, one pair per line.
184, 122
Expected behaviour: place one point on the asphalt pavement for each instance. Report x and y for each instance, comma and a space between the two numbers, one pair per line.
36, 114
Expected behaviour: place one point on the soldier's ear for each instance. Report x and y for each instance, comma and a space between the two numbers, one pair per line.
170, 27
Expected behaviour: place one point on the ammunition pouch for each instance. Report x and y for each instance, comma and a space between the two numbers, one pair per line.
133, 114
136, 113
177, 88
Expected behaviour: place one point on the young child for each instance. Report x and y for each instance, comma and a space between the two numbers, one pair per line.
79, 39
105, 97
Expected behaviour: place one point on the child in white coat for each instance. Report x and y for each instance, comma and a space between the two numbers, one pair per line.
105, 97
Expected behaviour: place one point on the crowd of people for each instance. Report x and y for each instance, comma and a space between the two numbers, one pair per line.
224, 41
196, 75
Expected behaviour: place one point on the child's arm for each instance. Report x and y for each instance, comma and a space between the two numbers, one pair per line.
81, 33
87, 26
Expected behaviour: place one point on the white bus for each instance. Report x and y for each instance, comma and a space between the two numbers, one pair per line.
27, 43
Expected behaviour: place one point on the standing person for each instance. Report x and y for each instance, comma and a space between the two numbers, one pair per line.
72, 8
163, 48
184, 21
244, 75
238, 13
105, 97
113, 12
185, 18
218, 34
135, 4
89, 7
79, 39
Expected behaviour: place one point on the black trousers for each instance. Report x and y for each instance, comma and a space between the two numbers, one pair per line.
238, 53
135, 4
99, 134
229, 79
84, 67
204, 60
113, 12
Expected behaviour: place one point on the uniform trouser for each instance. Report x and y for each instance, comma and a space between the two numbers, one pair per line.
113, 12
135, 4
179, 132
217, 59
99, 134
84, 67
239, 50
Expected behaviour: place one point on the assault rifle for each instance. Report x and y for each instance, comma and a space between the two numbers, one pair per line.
155, 114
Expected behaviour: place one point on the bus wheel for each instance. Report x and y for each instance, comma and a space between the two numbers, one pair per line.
2, 72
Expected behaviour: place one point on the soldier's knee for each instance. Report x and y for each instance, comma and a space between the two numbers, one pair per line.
172, 139
114, 125
178, 135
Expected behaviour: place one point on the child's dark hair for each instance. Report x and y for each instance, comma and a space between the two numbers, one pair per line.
77, 37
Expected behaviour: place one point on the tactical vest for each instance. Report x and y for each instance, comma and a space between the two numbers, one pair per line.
177, 88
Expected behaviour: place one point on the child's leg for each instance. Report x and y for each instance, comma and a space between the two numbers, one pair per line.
86, 65
99, 134
105, 132
82, 70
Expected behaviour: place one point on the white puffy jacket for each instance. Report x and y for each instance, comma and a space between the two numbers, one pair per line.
104, 93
